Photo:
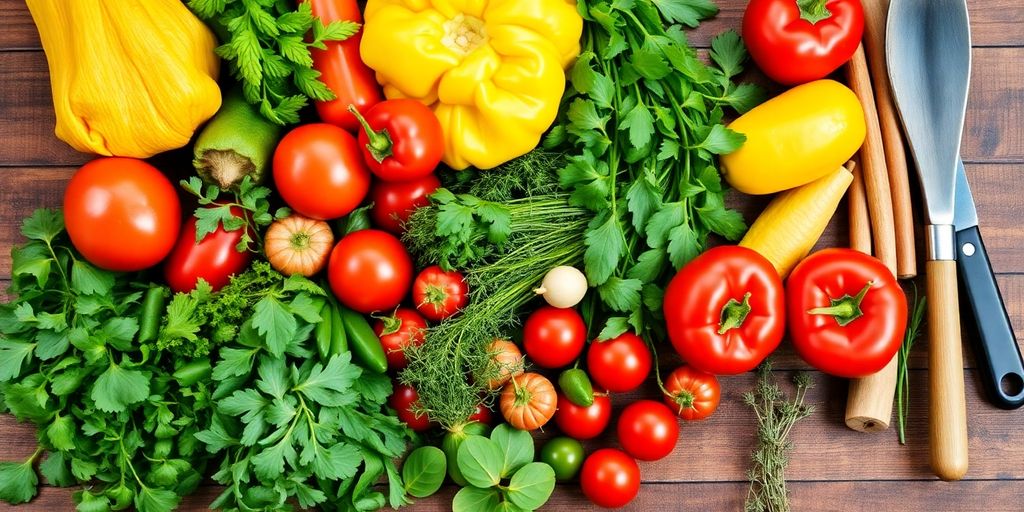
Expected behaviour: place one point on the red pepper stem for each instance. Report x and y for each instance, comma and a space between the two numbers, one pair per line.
734, 313
813, 10
846, 308
380, 143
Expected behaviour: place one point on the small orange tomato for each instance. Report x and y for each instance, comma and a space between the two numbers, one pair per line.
298, 245
528, 401
691, 393
508, 360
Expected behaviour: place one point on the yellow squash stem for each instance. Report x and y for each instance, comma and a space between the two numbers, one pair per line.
791, 225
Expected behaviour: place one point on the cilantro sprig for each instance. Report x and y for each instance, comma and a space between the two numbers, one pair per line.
269, 53
215, 210
644, 119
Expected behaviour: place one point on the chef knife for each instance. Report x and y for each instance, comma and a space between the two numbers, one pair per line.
928, 52
997, 351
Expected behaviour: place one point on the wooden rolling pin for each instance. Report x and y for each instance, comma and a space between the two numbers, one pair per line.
892, 139
857, 201
869, 404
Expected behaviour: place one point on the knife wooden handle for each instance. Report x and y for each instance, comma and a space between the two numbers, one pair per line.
948, 421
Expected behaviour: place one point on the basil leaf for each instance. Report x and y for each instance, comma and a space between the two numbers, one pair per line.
531, 486
471, 499
480, 461
516, 447
424, 471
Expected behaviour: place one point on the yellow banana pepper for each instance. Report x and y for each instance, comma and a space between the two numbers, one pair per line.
795, 138
129, 77
492, 71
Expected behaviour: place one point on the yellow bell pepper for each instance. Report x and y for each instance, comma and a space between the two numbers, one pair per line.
129, 77
795, 138
492, 71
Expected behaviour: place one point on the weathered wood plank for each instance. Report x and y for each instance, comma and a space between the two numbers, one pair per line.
993, 23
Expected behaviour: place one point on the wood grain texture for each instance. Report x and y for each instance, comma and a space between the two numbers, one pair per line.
946, 401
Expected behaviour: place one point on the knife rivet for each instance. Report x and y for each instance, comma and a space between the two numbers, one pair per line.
968, 249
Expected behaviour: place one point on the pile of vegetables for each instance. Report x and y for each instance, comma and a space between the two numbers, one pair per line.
300, 343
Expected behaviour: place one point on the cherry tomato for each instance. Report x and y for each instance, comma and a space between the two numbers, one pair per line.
482, 414
648, 430
583, 422
403, 400
396, 332
319, 171
369, 271
692, 394
620, 364
341, 68
564, 455
122, 214
610, 478
401, 140
214, 259
554, 337
395, 201
439, 294
528, 401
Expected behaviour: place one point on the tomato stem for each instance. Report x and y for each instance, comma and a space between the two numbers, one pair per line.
813, 10
734, 313
684, 399
380, 144
846, 308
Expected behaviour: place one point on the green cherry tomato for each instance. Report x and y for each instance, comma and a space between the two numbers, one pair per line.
564, 455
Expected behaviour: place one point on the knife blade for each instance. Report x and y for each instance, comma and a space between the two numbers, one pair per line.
928, 55
999, 356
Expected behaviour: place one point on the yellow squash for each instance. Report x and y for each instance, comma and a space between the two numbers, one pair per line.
795, 138
792, 223
492, 70
129, 77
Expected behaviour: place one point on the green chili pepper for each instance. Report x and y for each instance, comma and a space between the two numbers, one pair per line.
152, 312
575, 384
193, 372
324, 331
339, 338
363, 341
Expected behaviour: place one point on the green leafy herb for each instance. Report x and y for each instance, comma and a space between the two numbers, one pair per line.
776, 415
902, 374
247, 209
501, 474
107, 409
644, 122
424, 470
266, 45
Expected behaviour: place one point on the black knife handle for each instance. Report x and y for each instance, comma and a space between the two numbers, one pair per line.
999, 356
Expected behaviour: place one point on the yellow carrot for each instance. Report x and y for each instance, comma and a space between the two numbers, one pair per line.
791, 225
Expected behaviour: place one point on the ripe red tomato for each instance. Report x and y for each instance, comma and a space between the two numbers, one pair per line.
369, 271
692, 394
319, 171
554, 337
214, 259
583, 422
648, 430
481, 414
403, 400
620, 364
610, 478
438, 294
405, 327
122, 214
395, 201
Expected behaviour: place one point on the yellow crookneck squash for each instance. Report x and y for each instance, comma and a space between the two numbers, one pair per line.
492, 70
129, 77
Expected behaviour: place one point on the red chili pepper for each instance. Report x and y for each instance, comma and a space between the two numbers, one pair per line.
725, 310
847, 312
342, 69
795, 42
401, 139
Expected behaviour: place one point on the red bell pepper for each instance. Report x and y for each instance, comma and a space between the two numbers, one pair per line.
797, 41
725, 310
401, 139
847, 312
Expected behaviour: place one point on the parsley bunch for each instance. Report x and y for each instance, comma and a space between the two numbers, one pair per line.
644, 119
284, 425
108, 410
251, 200
266, 45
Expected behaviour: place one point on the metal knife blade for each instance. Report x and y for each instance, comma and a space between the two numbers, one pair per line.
999, 356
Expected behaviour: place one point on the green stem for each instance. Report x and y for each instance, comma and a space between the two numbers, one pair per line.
379, 143
813, 10
734, 313
846, 308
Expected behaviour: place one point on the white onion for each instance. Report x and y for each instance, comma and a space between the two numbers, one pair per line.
563, 287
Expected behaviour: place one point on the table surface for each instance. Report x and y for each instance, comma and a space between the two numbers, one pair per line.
832, 468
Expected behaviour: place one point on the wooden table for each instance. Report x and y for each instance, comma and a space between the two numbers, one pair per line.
833, 468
